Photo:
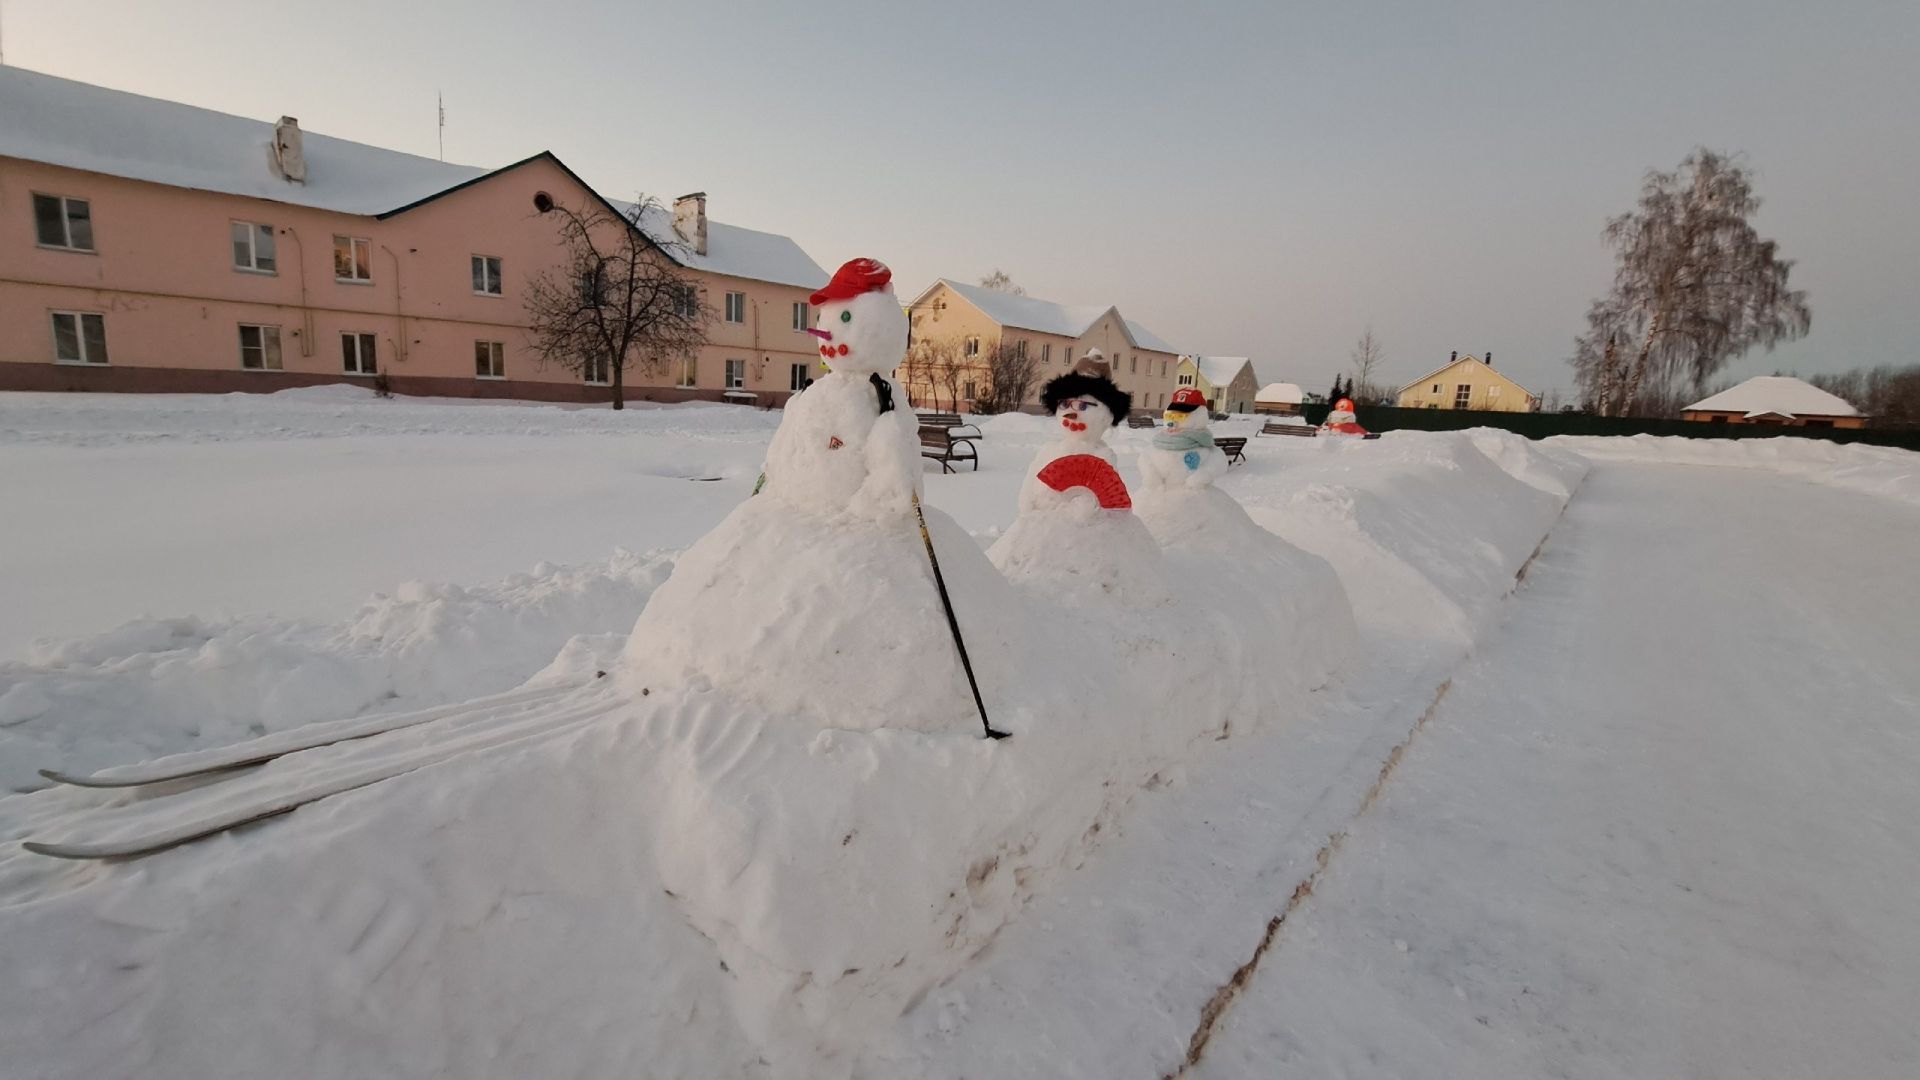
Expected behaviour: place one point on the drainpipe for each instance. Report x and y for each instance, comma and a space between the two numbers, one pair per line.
306, 313
399, 314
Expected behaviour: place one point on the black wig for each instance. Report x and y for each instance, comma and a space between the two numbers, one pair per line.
1073, 384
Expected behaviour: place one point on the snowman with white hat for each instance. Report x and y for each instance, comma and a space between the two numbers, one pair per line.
1183, 454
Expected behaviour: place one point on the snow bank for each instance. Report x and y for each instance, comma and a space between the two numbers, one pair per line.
196, 683
1873, 470
710, 876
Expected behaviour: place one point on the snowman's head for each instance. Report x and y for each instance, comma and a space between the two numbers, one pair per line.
859, 322
1342, 412
1085, 404
1188, 411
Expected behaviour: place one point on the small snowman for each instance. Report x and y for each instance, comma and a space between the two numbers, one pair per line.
849, 443
1340, 420
1085, 404
1183, 455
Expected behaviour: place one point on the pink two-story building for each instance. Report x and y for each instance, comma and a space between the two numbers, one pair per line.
147, 245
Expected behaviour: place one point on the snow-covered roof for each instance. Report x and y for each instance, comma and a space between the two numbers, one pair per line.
78, 125
1281, 393
1045, 316
1780, 394
1220, 370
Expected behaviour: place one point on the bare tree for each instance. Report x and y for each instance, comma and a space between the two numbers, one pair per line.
1887, 394
1695, 286
1011, 372
929, 367
999, 280
1367, 355
619, 300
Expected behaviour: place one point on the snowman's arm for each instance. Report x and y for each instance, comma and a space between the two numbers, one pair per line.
893, 464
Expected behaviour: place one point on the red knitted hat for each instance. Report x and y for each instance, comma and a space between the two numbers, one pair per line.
854, 277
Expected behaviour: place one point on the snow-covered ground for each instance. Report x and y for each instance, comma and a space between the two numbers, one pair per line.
205, 569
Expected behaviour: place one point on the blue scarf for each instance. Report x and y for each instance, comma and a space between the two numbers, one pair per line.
1183, 440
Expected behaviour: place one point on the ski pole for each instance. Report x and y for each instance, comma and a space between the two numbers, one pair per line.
953, 623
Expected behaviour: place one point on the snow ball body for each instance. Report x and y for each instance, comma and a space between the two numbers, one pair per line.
1190, 467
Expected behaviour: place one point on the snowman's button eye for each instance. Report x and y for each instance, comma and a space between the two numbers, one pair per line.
846, 316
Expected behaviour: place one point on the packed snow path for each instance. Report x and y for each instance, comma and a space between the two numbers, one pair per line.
1662, 825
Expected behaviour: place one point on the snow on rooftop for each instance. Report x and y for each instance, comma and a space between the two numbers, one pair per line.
1147, 339
1782, 394
1281, 393
78, 125
1047, 317
1219, 370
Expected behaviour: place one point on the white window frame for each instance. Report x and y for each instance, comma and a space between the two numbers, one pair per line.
599, 366
1492, 392
1046, 352
489, 267
797, 377
971, 348
734, 383
687, 303
1186, 379
366, 353
736, 307
802, 316
1462, 395
496, 359
355, 244
689, 377
253, 234
79, 336
268, 333
972, 390
66, 223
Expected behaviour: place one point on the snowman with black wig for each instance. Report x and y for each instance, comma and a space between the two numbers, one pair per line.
1085, 404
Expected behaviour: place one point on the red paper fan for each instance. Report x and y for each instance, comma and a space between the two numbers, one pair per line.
1092, 473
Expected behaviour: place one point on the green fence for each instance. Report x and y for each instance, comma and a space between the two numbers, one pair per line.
1541, 425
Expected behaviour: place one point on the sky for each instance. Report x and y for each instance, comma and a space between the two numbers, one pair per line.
1257, 179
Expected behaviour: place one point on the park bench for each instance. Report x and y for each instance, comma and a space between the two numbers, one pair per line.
1275, 427
1137, 420
949, 420
945, 446
1234, 447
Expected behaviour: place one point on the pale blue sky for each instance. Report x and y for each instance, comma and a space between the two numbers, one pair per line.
1259, 179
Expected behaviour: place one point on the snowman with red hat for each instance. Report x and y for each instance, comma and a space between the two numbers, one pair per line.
1340, 420
850, 442
1085, 404
1183, 454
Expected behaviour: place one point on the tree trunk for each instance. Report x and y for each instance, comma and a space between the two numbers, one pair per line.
1632, 391
1606, 378
619, 386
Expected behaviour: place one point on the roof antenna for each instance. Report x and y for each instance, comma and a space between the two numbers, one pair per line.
441, 101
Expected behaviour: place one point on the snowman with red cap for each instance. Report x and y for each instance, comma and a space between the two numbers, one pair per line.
1183, 454
1340, 420
850, 442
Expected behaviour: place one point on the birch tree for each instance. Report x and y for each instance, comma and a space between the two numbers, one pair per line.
1367, 355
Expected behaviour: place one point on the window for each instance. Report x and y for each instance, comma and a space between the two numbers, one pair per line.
259, 347
1163, 369
799, 375
489, 360
1433, 405
969, 394
736, 373
800, 316
79, 338
1020, 349
688, 369
1066, 355
352, 259
356, 350
1493, 392
1133, 364
593, 286
486, 275
1046, 353
596, 372
61, 222
737, 307
1186, 378
686, 302
1436, 388
972, 349
252, 247
1462, 395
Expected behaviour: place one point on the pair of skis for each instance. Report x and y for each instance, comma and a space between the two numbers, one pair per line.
168, 820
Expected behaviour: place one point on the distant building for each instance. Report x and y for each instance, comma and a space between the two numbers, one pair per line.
1467, 382
152, 245
1776, 399
1227, 382
977, 319
1280, 399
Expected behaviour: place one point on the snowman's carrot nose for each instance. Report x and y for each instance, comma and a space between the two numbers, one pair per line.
823, 335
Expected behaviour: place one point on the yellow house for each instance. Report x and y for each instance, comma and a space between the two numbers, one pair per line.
978, 319
1467, 382
1227, 382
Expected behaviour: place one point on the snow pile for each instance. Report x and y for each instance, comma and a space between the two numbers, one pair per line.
194, 683
1872, 470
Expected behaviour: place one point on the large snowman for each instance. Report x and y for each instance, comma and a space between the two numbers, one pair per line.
1183, 455
850, 441
815, 599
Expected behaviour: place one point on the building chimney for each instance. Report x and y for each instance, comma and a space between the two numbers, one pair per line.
690, 221
288, 159
1452, 356
1489, 358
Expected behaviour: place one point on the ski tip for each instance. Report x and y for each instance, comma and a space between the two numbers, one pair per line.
57, 851
71, 780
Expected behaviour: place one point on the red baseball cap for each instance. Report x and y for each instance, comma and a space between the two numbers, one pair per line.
855, 276
1187, 399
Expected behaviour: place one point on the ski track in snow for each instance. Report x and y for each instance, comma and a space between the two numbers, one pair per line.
1110, 963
